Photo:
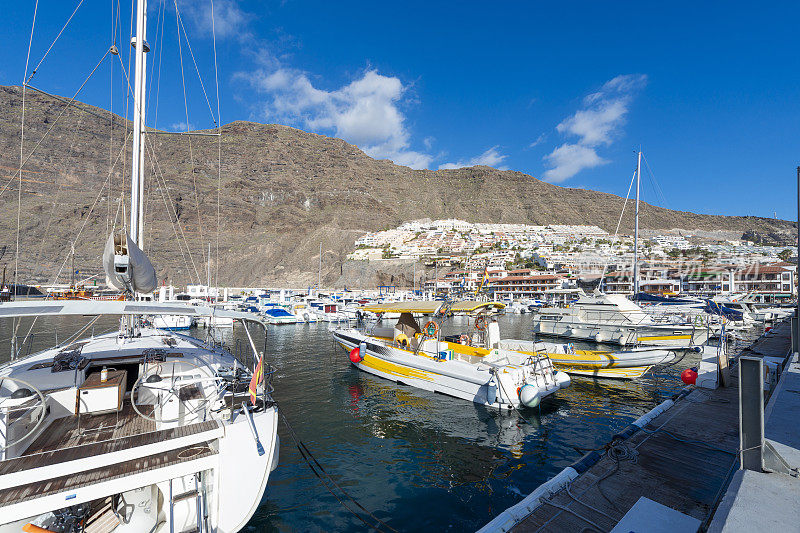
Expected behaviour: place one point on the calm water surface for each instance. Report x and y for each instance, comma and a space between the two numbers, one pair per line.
417, 460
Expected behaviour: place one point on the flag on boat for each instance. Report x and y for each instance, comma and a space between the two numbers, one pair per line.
483, 281
256, 379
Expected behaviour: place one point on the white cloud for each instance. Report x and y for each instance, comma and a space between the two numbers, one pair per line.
569, 159
181, 126
229, 19
365, 112
596, 124
539, 140
490, 158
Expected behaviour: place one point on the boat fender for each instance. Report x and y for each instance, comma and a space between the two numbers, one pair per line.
355, 356
529, 395
645, 419
491, 391
626, 433
599, 337
562, 379
689, 376
512, 516
587, 461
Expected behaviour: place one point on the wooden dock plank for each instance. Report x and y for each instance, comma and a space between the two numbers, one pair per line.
682, 459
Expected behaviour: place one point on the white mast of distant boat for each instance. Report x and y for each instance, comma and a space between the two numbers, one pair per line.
636, 227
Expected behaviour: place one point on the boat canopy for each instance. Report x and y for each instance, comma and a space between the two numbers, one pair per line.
431, 307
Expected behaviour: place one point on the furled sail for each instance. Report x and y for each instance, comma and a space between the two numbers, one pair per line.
127, 267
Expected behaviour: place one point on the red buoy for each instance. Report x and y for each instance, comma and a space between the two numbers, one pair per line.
689, 376
355, 356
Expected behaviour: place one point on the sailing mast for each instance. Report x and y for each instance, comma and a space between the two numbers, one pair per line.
139, 43
636, 227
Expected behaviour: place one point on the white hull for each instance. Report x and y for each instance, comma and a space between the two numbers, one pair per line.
623, 334
455, 378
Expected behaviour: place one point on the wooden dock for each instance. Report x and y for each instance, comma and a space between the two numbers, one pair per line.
683, 459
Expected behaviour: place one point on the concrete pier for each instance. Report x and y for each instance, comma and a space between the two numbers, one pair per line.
678, 469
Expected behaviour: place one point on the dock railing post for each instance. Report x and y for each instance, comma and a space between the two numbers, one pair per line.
751, 413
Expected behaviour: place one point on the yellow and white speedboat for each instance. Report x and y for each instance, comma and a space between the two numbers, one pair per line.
472, 366
622, 364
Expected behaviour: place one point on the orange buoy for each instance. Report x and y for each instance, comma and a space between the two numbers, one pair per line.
689, 376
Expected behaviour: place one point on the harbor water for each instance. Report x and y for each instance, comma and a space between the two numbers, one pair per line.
416, 460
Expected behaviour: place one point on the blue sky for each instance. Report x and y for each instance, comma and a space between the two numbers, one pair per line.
565, 92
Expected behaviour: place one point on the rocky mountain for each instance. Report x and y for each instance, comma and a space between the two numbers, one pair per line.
280, 192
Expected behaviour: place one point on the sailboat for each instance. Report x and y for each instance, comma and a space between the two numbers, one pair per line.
141, 429
613, 318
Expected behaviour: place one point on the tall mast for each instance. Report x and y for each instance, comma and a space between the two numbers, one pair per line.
139, 43
636, 227
319, 272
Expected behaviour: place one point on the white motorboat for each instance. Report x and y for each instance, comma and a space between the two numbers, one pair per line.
304, 313
472, 366
277, 315
629, 363
612, 318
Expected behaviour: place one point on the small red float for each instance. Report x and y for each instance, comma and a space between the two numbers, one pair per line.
355, 356
689, 376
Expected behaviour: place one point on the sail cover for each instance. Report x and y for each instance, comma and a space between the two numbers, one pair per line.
127, 267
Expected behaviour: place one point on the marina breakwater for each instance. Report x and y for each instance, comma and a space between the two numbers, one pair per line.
679, 467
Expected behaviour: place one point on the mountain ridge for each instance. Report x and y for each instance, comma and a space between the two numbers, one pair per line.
283, 192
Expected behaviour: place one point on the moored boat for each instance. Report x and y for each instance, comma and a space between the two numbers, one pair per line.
631, 363
471, 366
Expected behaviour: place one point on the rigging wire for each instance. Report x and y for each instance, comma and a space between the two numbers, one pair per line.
88, 214
655, 183
188, 138
219, 144
154, 161
616, 231
16, 323
63, 110
191, 53
39, 64
325, 478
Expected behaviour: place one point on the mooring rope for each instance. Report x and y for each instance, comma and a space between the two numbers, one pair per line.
326, 478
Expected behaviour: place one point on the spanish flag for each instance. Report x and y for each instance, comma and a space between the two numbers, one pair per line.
483, 281
256, 379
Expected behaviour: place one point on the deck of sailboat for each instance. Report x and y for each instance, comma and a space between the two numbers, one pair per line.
101, 434
112, 472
